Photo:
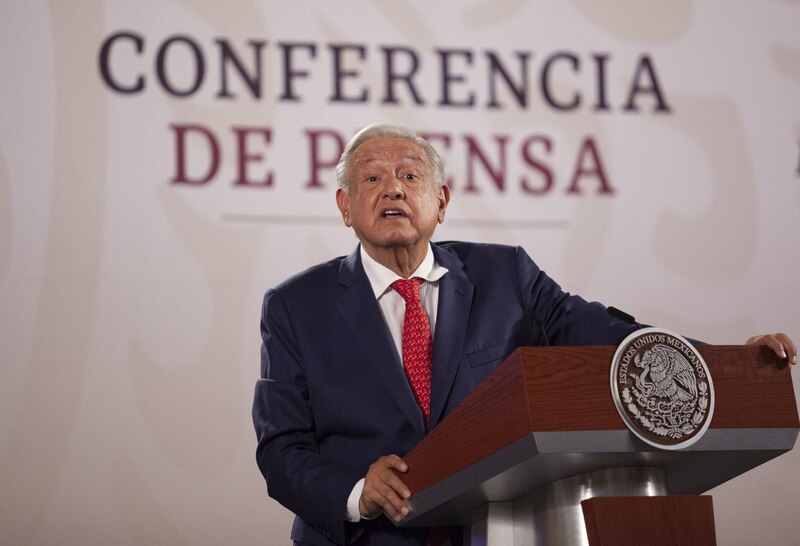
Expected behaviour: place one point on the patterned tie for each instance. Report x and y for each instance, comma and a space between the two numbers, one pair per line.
417, 343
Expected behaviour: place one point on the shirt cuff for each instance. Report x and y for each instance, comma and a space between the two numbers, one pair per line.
353, 513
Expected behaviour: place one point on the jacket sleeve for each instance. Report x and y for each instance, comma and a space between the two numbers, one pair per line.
568, 319
288, 455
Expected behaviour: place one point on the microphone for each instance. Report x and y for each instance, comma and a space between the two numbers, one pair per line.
622, 315
537, 320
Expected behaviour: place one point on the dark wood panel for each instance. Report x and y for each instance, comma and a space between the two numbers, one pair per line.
650, 521
753, 386
569, 388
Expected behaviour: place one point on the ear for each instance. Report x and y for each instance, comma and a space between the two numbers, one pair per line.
344, 206
444, 199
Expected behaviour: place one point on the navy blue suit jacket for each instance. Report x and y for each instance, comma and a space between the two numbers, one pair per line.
333, 397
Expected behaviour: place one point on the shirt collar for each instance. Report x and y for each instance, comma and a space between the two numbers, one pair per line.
381, 277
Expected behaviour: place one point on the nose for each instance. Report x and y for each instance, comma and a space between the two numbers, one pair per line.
393, 189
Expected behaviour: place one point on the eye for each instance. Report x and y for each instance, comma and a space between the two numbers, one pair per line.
372, 179
410, 176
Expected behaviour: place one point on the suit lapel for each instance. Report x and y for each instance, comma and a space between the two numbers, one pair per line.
362, 315
455, 300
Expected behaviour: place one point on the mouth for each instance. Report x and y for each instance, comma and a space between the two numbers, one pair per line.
393, 213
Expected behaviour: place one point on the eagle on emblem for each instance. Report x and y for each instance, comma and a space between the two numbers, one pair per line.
671, 375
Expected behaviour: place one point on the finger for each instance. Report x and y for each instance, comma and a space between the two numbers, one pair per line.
781, 344
387, 499
777, 347
771, 341
394, 506
398, 485
788, 346
776, 343
385, 470
394, 462
390, 483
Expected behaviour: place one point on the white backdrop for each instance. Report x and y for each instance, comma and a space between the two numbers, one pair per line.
129, 303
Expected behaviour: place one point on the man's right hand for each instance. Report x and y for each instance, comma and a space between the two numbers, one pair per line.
384, 491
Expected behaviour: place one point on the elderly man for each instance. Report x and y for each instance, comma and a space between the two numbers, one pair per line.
364, 354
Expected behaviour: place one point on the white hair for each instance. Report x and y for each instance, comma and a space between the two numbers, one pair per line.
378, 130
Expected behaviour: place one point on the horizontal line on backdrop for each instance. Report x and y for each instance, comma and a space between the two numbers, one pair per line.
510, 224
454, 222
280, 219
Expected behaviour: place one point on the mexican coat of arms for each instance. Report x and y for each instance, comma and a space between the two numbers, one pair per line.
662, 388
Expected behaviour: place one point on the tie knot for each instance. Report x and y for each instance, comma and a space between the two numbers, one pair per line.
408, 288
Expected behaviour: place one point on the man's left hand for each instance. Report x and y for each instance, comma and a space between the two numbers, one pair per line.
781, 344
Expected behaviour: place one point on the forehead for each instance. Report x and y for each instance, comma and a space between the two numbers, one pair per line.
389, 150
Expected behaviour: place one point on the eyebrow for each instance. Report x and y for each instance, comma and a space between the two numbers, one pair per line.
408, 157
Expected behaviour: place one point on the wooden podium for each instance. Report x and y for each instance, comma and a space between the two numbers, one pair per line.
538, 454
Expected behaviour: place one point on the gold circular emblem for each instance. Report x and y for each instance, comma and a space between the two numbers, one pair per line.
662, 388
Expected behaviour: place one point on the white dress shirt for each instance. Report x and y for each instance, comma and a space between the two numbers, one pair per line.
393, 309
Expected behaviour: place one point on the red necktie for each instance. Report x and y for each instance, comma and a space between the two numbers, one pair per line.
417, 358
417, 343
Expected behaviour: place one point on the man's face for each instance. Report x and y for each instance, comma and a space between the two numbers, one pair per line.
391, 202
